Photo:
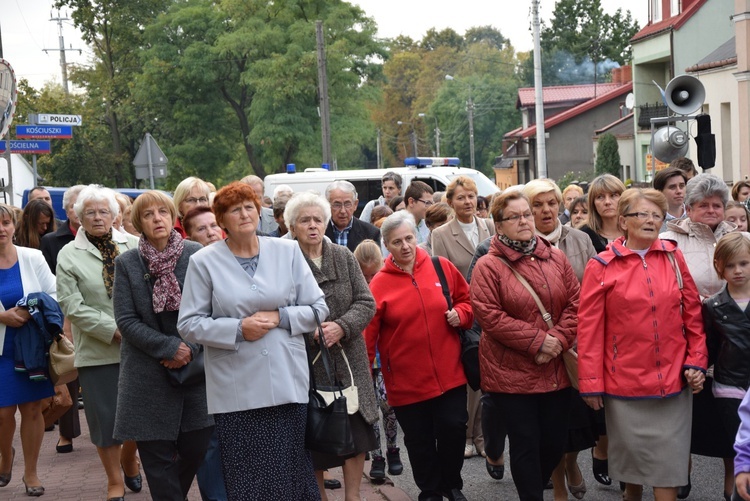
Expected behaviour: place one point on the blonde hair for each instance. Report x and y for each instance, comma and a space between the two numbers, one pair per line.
185, 187
146, 200
368, 253
606, 183
631, 196
728, 247
572, 187
538, 187
464, 182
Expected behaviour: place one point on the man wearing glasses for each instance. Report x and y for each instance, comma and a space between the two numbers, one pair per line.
418, 198
345, 229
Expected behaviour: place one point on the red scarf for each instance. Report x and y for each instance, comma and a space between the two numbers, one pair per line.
167, 294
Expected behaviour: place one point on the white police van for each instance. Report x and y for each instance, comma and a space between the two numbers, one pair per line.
437, 172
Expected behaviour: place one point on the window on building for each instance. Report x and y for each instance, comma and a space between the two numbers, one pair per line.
674, 8
655, 10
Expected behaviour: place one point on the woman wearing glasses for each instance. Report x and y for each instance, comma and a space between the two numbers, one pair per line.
520, 353
189, 194
642, 362
85, 281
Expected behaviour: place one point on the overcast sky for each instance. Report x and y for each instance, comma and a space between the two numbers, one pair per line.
27, 29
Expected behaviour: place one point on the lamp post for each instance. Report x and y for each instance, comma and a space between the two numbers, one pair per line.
412, 134
437, 135
470, 111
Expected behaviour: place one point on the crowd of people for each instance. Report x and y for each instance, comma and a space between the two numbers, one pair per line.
613, 320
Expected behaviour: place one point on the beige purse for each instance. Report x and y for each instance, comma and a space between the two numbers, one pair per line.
570, 357
351, 393
62, 357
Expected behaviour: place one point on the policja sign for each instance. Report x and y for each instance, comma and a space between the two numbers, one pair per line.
48, 119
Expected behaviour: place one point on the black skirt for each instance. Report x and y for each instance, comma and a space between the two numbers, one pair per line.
709, 437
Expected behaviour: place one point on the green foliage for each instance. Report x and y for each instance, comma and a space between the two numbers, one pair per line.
576, 177
608, 156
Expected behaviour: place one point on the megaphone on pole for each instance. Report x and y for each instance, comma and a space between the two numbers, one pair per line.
684, 94
669, 143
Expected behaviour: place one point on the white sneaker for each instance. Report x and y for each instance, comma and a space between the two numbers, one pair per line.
468, 450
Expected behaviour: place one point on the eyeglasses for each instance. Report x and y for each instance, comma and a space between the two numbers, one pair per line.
426, 203
193, 200
644, 216
91, 214
339, 205
517, 218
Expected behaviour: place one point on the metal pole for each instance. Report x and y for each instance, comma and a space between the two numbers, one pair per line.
541, 145
380, 163
150, 163
325, 112
470, 107
414, 140
437, 138
33, 165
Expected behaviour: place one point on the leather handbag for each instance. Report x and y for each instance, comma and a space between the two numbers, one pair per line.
570, 357
328, 428
57, 405
350, 392
62, 357
469, 337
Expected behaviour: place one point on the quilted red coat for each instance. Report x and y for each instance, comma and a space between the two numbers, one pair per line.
633, 341
420, 353
513, 329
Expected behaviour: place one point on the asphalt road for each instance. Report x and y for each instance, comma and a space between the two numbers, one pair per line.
707, 479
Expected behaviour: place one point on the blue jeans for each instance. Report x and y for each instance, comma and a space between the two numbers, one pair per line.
210, 478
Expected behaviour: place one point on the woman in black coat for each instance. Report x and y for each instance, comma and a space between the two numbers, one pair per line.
170, 424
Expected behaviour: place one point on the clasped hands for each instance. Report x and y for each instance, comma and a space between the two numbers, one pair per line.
551, 348
258, 324
695, 378
332, 333
183, 356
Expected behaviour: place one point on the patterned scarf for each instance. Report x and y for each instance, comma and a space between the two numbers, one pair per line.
518, 245
109, 250
167, 294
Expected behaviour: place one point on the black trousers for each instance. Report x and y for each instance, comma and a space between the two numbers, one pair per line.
170, 466
434, 435
70, 423
493, 428
537, 427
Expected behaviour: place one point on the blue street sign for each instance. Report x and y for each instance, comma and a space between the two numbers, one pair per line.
26, 147
44, 131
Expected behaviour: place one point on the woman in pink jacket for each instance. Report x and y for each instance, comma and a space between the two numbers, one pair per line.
642, 349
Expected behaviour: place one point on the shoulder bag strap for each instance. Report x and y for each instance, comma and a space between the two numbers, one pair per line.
676, 269
546, 316
443, 281
324, 355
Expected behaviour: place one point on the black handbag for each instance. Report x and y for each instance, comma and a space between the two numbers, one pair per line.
191, 374
328, 429
469, 337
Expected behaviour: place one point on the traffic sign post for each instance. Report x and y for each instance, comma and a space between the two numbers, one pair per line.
50, 119
44, 131
150, 162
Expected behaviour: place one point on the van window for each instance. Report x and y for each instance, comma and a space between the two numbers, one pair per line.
431, 182
367, 189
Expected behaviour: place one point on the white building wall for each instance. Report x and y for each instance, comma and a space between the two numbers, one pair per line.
23, 178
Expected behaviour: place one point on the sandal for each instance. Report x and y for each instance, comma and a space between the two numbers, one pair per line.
578, 491
600, 468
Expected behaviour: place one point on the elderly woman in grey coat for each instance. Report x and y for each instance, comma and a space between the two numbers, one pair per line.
170, 424
351, 307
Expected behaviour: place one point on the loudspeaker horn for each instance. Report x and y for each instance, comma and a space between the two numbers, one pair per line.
669, 143
684, 94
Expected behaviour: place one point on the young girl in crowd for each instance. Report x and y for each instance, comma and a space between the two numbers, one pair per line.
370, 260
728, 337
736, 213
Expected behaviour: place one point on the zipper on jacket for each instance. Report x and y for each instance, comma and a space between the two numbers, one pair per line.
657, 350
429, 338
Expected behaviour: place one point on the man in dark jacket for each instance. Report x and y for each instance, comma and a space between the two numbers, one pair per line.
345, 229
66, 230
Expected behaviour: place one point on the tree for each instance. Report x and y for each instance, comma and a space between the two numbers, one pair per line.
608, 156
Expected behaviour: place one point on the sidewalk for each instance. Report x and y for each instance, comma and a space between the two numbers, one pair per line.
79, 476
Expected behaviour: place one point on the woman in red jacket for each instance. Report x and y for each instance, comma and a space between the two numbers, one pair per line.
641, 348
520, 355
420, 356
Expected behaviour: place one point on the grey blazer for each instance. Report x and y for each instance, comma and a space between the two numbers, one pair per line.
148, 407
449, 241
271, 371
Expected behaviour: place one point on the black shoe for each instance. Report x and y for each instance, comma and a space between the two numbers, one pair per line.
496, 471
395, 466
64, 449
6, 477
135, 483
377, 470
683, 491
50, 427
455, 495
119, 498
601, 469
331, 483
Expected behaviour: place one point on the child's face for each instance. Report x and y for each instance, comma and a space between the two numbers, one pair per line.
737, 216
369, 270
737, 270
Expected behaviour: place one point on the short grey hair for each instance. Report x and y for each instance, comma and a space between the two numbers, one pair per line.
342, 185
71, 192
282, 189
96, 193
704, 186
303, 200
396, 220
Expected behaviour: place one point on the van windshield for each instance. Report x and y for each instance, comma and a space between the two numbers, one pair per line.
484, 185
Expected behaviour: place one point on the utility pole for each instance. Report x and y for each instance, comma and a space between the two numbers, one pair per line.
437, 139
541, 145
380, 164
6, 155
62, 49
325, 111
470, 109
